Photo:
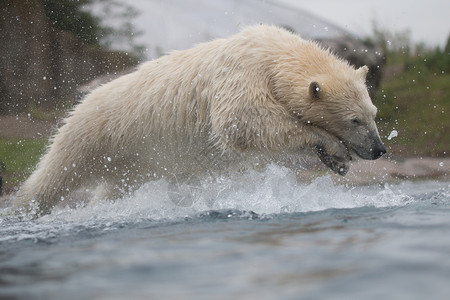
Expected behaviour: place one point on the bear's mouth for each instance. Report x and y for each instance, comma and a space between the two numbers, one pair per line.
372, 149
373, 153
360, 152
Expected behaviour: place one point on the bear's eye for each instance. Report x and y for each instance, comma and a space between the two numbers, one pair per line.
356, 121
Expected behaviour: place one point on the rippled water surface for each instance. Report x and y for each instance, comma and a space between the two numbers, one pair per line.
252, 236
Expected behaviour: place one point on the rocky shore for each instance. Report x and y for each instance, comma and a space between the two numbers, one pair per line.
389, 170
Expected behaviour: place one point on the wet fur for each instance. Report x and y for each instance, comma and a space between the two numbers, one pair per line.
210, 107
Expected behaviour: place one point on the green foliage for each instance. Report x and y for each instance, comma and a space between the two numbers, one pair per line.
78, 17
437, 60
391, 42
18, 158
70, 16
414, 99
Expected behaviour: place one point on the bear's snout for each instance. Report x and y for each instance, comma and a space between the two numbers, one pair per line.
378, 150
372, 148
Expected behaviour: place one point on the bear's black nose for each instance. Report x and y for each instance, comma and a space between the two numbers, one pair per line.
378, 151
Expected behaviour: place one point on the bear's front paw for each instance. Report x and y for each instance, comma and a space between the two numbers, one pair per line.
339, 163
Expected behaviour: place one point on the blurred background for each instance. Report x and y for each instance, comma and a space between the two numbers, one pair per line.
53, 52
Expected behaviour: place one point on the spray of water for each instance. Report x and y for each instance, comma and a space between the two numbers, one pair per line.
262, 193
272, 191
392, 135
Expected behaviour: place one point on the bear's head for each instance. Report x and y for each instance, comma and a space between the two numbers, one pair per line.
342, 106
337, 101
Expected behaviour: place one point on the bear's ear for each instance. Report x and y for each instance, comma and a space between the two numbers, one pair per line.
314, 90
362, 72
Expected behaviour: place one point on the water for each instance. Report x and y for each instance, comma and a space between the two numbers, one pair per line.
258, 235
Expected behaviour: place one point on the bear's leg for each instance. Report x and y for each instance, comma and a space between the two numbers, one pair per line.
122, 175
57, 176
330, 150
336, 163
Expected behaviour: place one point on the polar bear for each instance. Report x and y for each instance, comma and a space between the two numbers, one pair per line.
262, 93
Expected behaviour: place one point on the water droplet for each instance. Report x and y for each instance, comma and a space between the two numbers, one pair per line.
392, 135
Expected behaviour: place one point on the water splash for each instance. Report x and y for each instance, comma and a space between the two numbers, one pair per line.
392, 135
272, 191
250, 195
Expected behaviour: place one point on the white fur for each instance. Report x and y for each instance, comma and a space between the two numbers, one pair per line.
201, 110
